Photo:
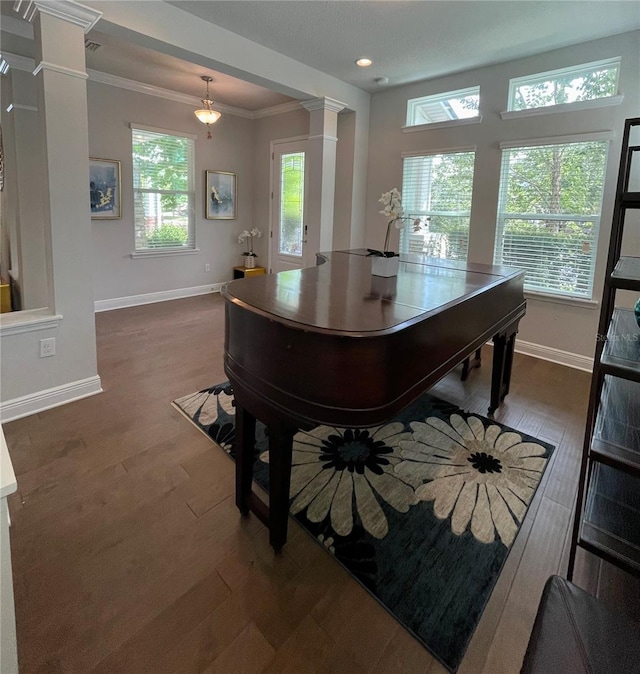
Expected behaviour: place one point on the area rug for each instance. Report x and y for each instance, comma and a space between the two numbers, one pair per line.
421, 510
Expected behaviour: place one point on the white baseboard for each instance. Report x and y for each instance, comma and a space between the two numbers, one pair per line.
52, 397
555, 355
150, 298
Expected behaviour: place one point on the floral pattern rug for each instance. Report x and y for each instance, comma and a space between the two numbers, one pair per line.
421, 510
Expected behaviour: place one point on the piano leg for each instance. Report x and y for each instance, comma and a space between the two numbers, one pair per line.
468, 364
503, 347
245, 442
280, 453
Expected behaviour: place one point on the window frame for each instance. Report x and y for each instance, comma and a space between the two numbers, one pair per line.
190, 192
412, 213
503, 215
413, 105
550, 75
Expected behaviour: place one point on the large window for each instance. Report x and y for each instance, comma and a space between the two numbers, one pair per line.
452, 105
587, 82
439, 187
163, 191
549, 214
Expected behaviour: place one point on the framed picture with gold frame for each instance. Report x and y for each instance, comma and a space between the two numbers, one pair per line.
220, 195
104, 189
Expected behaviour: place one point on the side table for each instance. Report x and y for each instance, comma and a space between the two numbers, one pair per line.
243, 272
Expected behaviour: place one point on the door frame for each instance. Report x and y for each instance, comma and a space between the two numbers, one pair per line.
273, 146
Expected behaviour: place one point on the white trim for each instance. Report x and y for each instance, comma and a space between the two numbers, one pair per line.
444, 150
574, 360
19, 106
608, 101
19, 62
165, 132
277, 109
52, 397
16, 323
67, 10
280, 141
554, 140
150, 252
323, 103
46, 65
159, 92
442, 125
151, 298
561, 299
322, 136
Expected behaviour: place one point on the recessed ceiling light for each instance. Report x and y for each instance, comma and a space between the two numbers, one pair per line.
364, 62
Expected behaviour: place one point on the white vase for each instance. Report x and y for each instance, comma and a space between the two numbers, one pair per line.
249, 261
385, 266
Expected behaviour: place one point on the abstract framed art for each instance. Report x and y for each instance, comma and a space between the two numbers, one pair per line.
104, 189
220, 195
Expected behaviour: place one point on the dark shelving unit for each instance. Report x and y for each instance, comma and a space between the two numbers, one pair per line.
607, 516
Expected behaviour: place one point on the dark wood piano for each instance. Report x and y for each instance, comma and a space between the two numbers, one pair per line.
333, 344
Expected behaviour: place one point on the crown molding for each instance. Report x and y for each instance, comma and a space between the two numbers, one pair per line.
67, 10
280, 109
159, 92
323, 103
29, 65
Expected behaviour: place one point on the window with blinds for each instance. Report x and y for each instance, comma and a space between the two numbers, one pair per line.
549, 214
438, 187
163, 191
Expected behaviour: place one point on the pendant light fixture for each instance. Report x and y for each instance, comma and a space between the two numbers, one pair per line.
207, 115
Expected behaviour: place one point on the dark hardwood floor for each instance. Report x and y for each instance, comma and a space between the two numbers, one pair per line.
130, 556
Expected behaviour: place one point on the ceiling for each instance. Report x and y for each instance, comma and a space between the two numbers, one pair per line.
407, 40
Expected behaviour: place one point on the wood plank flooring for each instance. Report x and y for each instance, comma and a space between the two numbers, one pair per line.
130, 556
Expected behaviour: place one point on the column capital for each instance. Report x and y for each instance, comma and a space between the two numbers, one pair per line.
323, 103
67, 10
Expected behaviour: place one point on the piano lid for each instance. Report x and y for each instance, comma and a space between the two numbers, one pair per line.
342, 296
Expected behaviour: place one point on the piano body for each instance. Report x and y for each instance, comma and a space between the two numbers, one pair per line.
333, 344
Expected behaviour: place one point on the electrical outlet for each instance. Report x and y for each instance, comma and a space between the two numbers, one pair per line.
207, 267
47, 347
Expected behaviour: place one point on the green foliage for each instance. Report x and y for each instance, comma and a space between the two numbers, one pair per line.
167, 236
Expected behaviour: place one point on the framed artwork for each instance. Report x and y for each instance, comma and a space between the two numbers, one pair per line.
104, 189
220, 195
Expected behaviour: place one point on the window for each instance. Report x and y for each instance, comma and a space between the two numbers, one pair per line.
461, 104
549, 214
163, 191
587, 82
439, 187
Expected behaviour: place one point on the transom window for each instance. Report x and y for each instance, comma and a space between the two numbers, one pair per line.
549, 214
439, 187
568, 85
163, 190
460, 104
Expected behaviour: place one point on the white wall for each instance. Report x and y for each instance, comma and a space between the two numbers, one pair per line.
116, 273
551, 325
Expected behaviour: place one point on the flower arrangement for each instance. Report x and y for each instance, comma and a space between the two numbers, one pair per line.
393, 211
250, 235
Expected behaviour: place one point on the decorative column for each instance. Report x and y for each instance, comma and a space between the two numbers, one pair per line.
321, 171
60, 75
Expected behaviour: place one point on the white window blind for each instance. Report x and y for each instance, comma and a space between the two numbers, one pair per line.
460, 104
549, 214
163, 191
586, 82
439, 187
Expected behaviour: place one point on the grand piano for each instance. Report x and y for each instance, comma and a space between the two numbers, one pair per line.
333, 344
